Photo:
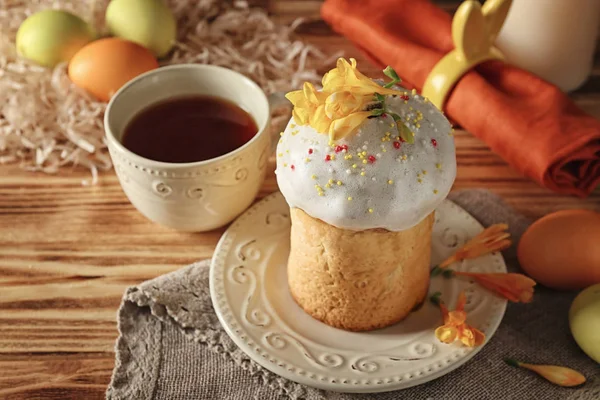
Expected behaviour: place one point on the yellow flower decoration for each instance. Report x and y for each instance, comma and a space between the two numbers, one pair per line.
455, 325
306, 102
345, 76
342, 105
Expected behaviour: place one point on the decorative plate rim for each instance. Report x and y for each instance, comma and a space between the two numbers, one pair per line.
326, 381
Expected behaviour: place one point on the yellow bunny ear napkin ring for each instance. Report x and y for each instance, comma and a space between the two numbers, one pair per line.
474, 30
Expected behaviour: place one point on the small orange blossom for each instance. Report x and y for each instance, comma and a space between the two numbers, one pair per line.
455, 325
561, 376
514, 287
493, 238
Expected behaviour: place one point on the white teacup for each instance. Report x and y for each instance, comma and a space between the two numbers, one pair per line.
197, 196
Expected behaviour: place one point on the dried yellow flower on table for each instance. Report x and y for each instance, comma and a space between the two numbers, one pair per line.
561, 376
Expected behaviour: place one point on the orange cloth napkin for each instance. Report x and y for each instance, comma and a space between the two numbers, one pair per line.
529, 122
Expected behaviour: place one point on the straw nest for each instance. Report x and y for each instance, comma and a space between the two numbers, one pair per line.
47, 124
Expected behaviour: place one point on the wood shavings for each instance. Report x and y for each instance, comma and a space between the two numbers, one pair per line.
47, 124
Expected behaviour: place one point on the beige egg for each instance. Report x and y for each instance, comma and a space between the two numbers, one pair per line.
562, 250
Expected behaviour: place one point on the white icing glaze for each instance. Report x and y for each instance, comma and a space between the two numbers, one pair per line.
396, 190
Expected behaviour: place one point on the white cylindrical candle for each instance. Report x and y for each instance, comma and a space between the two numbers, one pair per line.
554, 39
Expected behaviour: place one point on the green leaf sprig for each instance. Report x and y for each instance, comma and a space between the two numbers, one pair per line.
404, 132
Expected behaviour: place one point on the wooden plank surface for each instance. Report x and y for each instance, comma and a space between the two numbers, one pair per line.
67, 251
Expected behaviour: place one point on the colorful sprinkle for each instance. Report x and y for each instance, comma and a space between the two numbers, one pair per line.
327, 157
372, 159
310, 151
370, 210
362, 173
279, 154
353, 165
405, 97
341, 148
280, 133
349, 198
390, 182
292, 167
434, 142
396, 145
348, 171
339, 183
364, 161
438, 166
435, 191
313, 176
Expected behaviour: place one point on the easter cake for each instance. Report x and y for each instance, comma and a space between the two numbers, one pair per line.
362, 166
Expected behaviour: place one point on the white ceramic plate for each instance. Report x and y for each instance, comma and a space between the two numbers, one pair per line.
249, 291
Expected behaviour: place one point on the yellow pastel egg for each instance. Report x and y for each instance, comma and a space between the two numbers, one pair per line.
562, 250
149, 23
584, 320
105, 65
52, 36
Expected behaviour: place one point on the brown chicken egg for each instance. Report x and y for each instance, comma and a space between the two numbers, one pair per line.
562, 250
103, 66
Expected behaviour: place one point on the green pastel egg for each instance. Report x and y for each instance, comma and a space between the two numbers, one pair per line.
149, 23
584, 319
52, 36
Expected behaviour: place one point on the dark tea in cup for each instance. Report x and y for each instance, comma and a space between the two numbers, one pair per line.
188, 129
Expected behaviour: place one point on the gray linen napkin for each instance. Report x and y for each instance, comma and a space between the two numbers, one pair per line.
171, 345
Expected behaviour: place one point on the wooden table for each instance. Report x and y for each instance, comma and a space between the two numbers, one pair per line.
67, 251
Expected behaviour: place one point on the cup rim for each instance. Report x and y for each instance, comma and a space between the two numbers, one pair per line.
168, 165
